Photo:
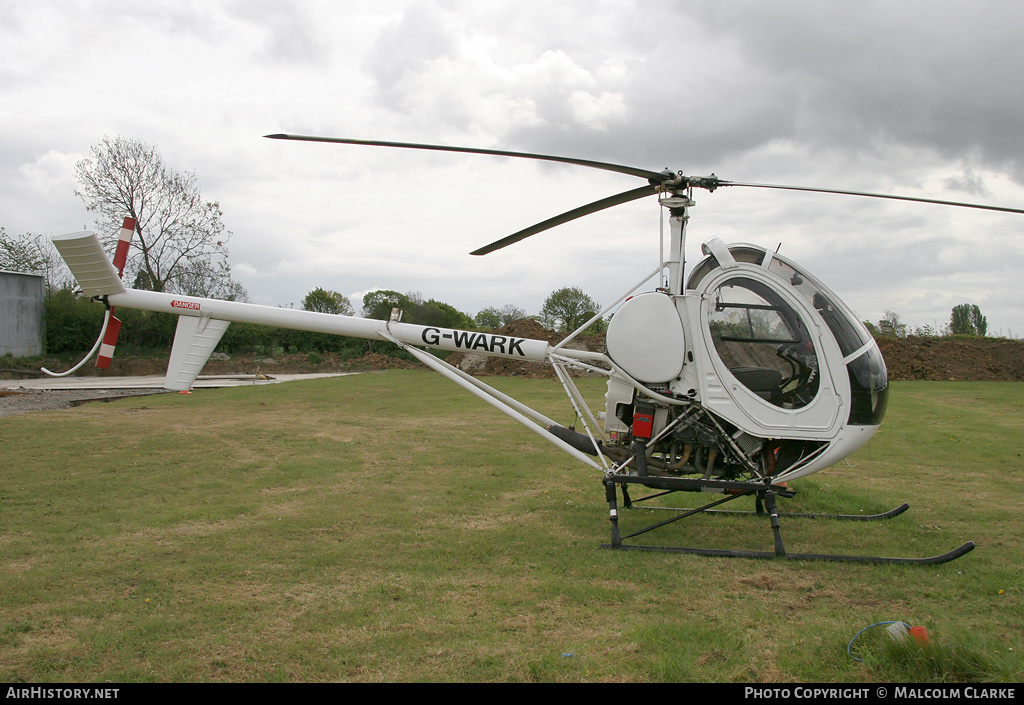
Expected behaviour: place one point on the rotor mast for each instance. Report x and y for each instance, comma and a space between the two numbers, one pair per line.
678, 208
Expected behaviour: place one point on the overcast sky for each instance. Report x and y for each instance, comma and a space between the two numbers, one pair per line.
915, 98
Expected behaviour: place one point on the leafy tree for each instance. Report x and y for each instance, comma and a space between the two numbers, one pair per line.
378, 304
568, 308
966, 319
452, 317
324, 301
891, 326
488, 318
180, 242
491, 317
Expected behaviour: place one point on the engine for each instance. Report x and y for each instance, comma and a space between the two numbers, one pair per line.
659, 438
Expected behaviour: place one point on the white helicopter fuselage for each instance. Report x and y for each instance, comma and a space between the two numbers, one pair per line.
761, 346
710, 395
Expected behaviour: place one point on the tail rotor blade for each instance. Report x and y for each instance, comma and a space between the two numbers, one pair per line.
106, 355
124, 241
611, 201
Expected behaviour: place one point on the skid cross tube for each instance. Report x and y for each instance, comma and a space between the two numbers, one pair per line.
763, 492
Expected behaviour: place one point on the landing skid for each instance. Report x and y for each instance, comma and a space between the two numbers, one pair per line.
765, 495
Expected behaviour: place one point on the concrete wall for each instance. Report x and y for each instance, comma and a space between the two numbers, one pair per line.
21, 314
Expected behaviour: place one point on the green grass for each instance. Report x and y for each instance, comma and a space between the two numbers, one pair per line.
964, 658
390, 527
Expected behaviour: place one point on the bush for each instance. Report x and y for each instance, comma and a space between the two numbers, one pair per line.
72, 324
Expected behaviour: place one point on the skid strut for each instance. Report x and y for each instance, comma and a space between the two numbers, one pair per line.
765, 495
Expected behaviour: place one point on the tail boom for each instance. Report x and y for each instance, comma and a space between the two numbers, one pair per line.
372, 329
99, 279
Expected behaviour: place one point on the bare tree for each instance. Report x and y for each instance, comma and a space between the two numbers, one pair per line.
180, 243
34, 254
510, 313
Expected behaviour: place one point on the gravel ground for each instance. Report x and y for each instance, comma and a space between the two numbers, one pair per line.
23, 401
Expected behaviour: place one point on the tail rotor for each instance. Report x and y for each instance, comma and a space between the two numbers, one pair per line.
124, 241
107, 340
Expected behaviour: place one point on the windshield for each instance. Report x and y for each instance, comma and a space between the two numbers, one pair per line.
848, 331
869, 384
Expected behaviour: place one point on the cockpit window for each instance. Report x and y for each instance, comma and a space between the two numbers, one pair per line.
848, 331
764, 342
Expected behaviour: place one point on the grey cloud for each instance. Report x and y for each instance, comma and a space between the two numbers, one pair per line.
294, 33
937, 75
968, 182
722, 79
402, 49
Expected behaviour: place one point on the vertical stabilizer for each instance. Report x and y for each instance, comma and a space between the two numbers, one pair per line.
194, 341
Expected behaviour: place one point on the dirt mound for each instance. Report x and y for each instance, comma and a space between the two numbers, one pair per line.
955, 359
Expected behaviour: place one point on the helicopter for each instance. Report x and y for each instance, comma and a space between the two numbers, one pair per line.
734, 380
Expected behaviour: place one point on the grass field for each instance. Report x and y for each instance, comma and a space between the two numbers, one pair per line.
390, 527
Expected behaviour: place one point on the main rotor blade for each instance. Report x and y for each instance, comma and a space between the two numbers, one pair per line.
654, 176
618, 199
875, 195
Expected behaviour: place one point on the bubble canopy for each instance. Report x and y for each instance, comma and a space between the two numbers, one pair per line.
864, 363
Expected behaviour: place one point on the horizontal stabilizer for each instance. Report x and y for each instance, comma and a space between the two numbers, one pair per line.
194, 341
89, 263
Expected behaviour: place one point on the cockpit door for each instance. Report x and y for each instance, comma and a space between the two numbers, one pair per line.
768, 363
